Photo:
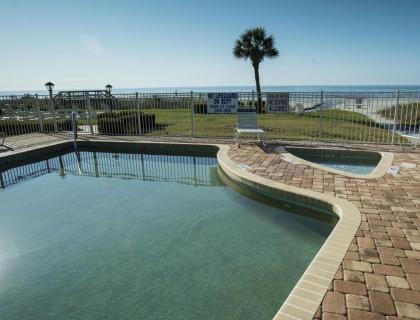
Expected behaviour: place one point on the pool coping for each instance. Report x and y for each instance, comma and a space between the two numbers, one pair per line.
308, 293
380, 170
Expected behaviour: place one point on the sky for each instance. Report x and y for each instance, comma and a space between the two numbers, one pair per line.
133, 44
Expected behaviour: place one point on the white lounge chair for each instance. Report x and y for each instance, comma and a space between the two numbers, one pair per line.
247, 124
299, 108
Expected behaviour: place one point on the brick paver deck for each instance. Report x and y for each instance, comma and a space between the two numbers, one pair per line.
379, 277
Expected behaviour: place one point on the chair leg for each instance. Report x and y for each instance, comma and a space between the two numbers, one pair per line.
261, 140
236, 139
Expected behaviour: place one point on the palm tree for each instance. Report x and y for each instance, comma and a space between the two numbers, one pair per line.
255, 45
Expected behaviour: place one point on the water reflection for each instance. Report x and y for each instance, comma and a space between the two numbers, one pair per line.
198, 171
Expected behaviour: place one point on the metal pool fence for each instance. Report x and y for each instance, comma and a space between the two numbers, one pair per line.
351, 117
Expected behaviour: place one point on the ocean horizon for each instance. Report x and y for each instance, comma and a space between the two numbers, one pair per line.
280, 88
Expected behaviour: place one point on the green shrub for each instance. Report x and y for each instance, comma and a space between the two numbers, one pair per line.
118, 114
406, 113
200, 108
125, 122
17, 127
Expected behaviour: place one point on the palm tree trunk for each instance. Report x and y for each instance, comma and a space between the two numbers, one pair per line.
257, 82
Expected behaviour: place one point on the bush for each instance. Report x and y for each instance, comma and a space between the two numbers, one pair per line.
17, 127
406, 113
63, 125
117, 114
200, 108
125, 122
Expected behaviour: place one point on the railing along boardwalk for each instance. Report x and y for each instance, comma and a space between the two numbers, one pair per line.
337, 117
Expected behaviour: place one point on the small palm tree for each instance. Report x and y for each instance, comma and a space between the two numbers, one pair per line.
255, 45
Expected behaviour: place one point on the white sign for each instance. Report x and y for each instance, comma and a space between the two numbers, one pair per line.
278, 102
222, 102
393, 170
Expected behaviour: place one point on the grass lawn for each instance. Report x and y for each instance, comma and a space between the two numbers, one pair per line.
336, 125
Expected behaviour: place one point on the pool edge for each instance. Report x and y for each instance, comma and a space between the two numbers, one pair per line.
380, 170
308, 293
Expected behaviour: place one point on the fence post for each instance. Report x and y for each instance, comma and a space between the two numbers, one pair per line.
138, 112
74, 128
89, 108
253, 99
395, 116
2, 185
38, 111
52, 110
192, 115
96, 165
60, 161
320, 114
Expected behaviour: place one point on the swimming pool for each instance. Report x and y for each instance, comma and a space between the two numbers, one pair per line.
358, 168
112, 235
357, 162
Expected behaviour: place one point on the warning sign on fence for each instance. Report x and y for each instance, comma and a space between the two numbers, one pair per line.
222, 102
278, 102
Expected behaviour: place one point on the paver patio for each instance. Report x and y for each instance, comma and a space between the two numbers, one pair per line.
379, 277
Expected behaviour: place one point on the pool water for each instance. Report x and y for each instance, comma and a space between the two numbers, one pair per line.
141, 236
357, 168
353, 161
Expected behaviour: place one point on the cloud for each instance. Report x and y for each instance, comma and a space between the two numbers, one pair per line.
91, 44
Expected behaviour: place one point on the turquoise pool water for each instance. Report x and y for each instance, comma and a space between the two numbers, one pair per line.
130, 236
353, 161
357, 168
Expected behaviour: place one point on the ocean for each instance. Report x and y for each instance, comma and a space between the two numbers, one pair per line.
306, 88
